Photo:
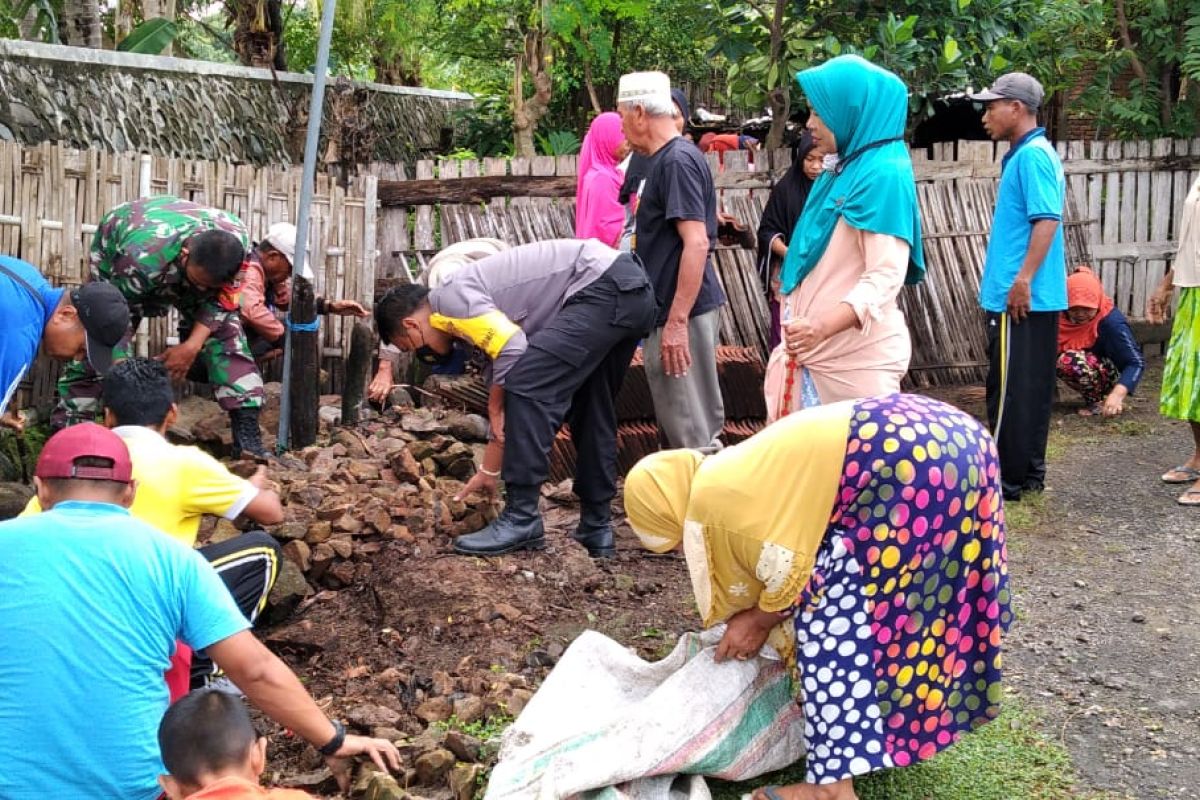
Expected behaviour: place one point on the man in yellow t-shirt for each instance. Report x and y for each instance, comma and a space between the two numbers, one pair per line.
177, 486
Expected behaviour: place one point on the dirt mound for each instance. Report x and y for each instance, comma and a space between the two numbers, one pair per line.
401, 638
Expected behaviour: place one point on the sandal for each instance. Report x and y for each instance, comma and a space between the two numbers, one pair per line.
769, 792
1093, 410
1181, 474
1193, 494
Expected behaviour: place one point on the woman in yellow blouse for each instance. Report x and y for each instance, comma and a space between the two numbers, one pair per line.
874, 530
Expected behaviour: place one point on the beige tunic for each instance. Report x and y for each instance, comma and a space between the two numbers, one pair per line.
864, 270
1187, 259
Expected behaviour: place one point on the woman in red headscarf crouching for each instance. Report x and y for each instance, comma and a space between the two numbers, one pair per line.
1098, 355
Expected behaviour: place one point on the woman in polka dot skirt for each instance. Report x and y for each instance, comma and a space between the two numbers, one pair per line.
874, 530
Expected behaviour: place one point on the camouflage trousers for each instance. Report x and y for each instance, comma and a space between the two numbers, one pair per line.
224, 361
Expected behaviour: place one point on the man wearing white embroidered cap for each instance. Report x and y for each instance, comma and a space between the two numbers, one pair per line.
266, 285
675, 231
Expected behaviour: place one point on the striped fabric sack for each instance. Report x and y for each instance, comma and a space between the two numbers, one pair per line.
607, 725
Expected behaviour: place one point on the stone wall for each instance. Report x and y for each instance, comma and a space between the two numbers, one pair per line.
98, 99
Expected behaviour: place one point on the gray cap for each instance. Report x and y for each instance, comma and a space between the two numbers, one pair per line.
1014, 86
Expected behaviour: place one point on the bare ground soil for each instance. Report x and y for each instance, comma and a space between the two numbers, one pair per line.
1104, 647
1107, 584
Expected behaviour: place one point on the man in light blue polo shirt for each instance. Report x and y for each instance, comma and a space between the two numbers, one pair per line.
93, 602
1024, 285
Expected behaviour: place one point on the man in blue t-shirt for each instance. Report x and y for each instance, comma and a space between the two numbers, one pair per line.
93, 602
1024, 285
674, 235
87, 321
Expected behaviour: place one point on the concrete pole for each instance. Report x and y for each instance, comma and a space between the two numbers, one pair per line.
315, 109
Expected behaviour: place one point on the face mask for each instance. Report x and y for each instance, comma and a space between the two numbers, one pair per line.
829, 161
427, 355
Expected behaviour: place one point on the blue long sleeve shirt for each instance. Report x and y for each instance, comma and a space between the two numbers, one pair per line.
1115, 342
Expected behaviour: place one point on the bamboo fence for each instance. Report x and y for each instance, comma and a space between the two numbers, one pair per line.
1124, 203
51, 199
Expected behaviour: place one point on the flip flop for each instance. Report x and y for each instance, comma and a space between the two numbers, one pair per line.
1192, 493
769, 792
1189, 474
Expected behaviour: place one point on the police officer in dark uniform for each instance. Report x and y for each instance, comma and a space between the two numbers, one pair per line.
560, 320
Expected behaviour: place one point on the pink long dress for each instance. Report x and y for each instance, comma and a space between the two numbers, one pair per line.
864, 270
598, 211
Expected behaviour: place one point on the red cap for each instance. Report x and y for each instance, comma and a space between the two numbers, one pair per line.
86, 440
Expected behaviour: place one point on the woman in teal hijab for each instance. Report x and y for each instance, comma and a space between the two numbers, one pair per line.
856, 243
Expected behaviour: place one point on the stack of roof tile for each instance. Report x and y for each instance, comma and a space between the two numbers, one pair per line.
740, 371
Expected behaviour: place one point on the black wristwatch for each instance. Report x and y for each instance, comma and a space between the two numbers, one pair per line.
334, 744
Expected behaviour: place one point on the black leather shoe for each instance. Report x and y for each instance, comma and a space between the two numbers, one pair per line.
519, 526
595, 530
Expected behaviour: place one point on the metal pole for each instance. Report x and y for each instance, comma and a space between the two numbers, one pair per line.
315, 110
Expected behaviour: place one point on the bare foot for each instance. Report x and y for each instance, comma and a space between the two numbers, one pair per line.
842, 790
1089, 411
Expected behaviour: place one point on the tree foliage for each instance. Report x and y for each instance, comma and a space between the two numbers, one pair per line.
1147, 65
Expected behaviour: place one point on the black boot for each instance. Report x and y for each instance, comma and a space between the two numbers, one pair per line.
519, 526
247, 438
595, 530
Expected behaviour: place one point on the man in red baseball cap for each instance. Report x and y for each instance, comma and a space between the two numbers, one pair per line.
93, 601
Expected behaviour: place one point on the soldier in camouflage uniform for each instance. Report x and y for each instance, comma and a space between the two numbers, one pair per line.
164, 253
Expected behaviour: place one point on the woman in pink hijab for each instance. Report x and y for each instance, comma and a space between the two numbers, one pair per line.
598, 212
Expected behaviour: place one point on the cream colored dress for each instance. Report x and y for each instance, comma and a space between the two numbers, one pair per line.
866, 271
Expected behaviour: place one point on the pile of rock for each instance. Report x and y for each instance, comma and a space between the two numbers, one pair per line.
464, 712
444, 761
392, 479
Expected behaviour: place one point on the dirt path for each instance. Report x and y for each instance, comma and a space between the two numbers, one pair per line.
1108, 594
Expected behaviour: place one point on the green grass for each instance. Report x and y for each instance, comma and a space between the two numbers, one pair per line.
486, 730
1027, 515
1006, 759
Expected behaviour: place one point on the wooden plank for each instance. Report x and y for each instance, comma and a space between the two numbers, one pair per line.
423, 234
1134, 250
1128, 225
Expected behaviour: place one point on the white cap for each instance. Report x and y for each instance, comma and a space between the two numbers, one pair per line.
453, 258
282, 236
636, 86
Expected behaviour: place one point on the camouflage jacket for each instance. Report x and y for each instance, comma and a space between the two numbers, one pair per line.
137, 248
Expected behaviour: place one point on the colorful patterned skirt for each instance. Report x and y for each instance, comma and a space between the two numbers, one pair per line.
1087, 373
898, 629
1180, 397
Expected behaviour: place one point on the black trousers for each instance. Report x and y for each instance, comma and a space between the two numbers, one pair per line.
249, 565
572, 371
1020, 393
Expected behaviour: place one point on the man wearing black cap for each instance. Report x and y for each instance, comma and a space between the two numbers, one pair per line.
1024, 284
67, 324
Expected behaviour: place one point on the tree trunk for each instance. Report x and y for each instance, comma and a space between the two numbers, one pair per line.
81, 23
124, 17
275, 17
398, 71
527, 111
253, 40
781, 95
304, 382
591, 87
